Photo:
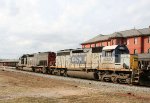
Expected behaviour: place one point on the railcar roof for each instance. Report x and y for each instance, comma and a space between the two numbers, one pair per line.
109, 47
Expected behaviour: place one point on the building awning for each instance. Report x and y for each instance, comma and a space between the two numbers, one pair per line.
108, 48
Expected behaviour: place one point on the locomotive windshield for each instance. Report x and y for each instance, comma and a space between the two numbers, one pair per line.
63, 53
78, 51
114, 50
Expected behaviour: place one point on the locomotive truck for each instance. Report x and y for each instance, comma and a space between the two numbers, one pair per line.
110, 64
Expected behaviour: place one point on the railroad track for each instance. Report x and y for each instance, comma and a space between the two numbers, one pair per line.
83, 83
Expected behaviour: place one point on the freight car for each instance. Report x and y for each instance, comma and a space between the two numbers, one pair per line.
39, 62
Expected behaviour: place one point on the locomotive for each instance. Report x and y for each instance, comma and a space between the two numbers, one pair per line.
39, 62
110, 64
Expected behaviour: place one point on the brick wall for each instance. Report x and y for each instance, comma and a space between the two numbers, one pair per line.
87, 45
140, 44
146, 45
135, 45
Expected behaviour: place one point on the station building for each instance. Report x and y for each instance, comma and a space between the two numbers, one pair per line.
137, 40
9, 62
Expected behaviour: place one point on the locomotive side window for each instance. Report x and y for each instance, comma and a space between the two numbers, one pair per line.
78, 51
127, 41
122, 52
63, 53
22, 60
97, 50
108, 53
43, 62
30, 55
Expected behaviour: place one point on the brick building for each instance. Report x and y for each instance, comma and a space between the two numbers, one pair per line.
137, 40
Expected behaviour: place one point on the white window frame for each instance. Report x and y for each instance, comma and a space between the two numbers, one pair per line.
135, 40
128, 42
97, 44
102, 43
93, 45
148, 39
112, 42
108, 43
135, 51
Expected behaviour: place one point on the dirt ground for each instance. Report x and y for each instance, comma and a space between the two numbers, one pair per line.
25, 88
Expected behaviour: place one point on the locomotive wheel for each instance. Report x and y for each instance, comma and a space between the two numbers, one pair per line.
17, 67
100, 77
106, 78
128, 80
50, 71
44, 70
59, 72
65, 74
33, 69
114, 79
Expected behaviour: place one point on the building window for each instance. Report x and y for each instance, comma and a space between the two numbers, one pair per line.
135, 51
83, 46
127, 41
149, 50
86, 46
112, 42
93, 45
135, 40
149, 39
108, 43
102, 43
118, 42
97, 44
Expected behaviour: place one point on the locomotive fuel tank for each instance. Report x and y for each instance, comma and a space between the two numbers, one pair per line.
83, 75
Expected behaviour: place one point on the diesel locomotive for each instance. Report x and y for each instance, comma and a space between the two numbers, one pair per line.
39, 62
110, 64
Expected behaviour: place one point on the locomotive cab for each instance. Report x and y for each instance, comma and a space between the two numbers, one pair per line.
115, 57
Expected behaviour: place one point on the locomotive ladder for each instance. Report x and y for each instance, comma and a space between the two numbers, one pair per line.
136, 77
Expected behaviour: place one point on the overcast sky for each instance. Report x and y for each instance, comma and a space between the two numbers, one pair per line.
28, 26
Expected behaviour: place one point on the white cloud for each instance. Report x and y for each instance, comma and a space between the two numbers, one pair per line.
28, 26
